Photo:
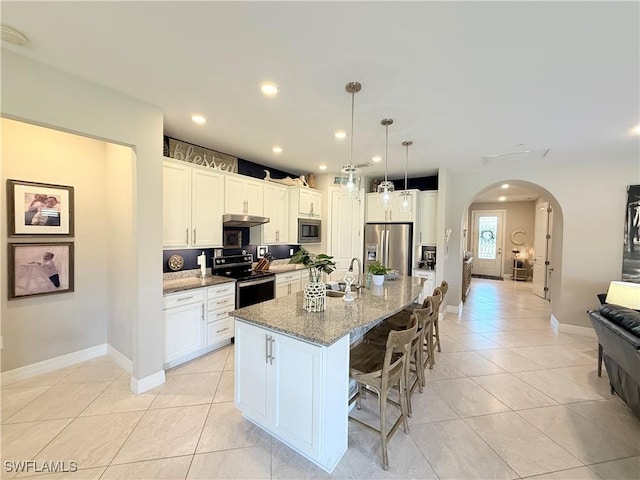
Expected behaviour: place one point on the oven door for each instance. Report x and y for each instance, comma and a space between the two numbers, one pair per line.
250, 292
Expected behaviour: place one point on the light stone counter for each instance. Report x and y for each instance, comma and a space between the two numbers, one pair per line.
373, 305
285, 267
188, 283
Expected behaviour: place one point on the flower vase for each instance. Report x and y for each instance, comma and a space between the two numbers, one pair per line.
315, 293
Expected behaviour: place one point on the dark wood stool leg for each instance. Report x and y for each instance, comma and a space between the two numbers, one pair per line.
599, 360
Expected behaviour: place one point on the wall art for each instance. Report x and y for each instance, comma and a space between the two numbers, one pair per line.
40, 269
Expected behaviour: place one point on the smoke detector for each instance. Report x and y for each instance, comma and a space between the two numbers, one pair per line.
13, 36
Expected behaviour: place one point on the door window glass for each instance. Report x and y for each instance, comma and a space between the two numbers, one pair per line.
487, 228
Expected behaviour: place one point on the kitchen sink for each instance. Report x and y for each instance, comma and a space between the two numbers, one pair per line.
335, 293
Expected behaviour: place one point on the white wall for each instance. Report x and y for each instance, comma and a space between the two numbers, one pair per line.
43, 327
39, 94
591, 199
519, 216
119, 166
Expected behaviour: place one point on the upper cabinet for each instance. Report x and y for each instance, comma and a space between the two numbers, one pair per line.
377, 213
243, 196
189, 217
428, 210
276, 207
306, 202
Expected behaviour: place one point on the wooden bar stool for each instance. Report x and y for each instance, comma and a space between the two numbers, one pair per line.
444, 287
432, 339
379, 371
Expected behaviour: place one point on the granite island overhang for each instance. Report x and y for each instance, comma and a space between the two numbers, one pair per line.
292, 366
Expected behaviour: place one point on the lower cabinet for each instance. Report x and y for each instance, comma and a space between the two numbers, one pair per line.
197, 321
428, 285
295, 390
288, 283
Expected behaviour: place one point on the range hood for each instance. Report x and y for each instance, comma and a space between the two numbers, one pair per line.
229, 220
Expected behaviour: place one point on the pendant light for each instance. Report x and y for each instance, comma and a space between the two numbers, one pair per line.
405, 204
350, 174
385, 189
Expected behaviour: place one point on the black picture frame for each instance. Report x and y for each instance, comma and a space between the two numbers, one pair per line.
40, 269
232, 239
36, 209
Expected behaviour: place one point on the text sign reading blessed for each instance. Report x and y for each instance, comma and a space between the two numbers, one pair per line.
201, 156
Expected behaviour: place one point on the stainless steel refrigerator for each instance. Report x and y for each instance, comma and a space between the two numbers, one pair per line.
390, 244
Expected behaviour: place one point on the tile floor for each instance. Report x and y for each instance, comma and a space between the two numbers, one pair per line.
508, 398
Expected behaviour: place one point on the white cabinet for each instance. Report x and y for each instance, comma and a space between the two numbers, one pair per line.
289, 283
221, 299
189, 217
290, 388
276, 207
243, 196
197, 321
377, 213
427, 223
184, 325
305, 202
428, 285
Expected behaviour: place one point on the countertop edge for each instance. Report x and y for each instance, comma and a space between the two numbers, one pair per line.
190, 283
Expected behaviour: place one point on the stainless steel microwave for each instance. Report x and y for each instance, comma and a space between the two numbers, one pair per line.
309, 231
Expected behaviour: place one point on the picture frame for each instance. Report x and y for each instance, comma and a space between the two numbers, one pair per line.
35, 209
40, 269
232, 239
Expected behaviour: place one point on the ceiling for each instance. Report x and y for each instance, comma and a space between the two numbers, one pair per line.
462, 80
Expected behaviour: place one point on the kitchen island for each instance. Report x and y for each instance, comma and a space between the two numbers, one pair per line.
292, 366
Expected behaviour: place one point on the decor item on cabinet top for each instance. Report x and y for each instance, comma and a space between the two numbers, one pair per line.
288, 181
378, 272
315, 291
204, 157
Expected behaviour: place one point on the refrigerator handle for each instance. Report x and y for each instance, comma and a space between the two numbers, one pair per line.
382, 248
386, 263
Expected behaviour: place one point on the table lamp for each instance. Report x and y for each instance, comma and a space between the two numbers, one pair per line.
626, 294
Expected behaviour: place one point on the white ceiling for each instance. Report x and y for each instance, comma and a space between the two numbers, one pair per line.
463, 80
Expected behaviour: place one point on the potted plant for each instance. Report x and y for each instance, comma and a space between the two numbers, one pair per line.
377, 271
315, 294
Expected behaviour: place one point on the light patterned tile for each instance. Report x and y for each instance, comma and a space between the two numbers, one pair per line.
22, 441
183, 390
211, 362
13, 399
161, 469
525, 449
289, 465
467, 398
70, 474
513, 392
91, 441
46, 379
101, 369
579, 473
118, 398
429, 407
251, 462
509, 360
225, 391
585, 440
456, 452
59, 401
168, 432
624, 469
557, 386
472, 363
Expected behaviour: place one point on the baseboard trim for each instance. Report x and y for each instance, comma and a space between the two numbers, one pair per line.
46, 366
147, 383
120, 358
454, 309
578, 330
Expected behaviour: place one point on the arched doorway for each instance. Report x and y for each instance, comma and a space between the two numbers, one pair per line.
513, 231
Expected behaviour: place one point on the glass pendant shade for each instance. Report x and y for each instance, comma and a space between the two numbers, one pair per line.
350, 174
405, 202
350, 181
405, 196
385, 194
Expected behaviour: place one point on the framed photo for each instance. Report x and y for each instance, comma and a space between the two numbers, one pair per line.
39, 209
40, 269
232, 239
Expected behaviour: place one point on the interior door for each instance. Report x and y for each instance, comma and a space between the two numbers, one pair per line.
488, 242
345, 230
542, 250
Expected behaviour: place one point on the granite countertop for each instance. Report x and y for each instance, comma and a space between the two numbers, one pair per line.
188, 283
285, 267
371, 306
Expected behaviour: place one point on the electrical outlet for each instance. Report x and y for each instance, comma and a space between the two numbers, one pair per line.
291, 251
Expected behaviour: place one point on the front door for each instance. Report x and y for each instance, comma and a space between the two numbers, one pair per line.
542, 250
488, 241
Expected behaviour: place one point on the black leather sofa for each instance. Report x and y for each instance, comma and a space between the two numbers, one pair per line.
618, 330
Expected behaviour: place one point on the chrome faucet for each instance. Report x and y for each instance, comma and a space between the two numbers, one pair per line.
358, 285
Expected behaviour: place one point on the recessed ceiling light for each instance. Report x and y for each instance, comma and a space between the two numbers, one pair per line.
269, 89
199, 119
340, 134
322, 167
636, 130
277, 149
505, 185
376, 159
502, 199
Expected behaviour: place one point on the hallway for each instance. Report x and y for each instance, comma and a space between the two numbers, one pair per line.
508, 397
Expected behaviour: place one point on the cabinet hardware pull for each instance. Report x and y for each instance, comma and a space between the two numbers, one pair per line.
202, 312
267, 345
194, 236
272, 355
221, 302
187, 234
184, 298
420, 237
218, 331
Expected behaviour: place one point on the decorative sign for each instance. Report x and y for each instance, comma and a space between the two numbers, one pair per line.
190, 153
